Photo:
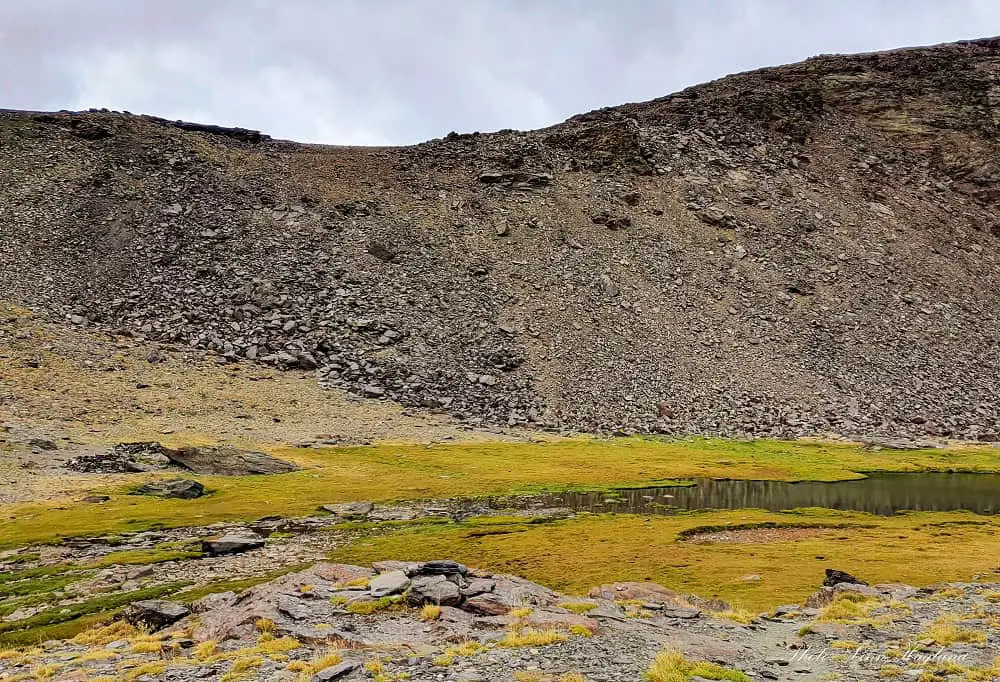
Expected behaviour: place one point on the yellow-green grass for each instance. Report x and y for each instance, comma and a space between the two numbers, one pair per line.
393, 472
573, 555
61, 622
672, 666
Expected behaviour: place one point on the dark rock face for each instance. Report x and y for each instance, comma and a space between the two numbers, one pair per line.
793, 251
155, 614
835, 577
178, 488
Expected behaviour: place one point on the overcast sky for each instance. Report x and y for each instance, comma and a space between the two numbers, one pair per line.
402, 71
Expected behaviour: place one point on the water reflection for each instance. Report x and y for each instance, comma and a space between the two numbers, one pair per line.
883, 494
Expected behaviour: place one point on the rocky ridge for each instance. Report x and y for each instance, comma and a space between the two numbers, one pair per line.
793, 251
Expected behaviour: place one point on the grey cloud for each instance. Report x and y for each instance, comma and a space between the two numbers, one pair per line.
399, 71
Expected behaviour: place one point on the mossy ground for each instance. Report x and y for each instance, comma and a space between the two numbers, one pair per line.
397, 472
575, 554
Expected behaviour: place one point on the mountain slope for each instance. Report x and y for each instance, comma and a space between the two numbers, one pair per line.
800, 250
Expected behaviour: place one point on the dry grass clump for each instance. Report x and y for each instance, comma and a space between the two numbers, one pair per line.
206, 650
849, 607
529, 637
242, 667
270, 645
156, 668
843, 644
430, 612
311, 667
97, 655
147, 647
672, 666
104, 635
468, 648
265, 626
945, 632
579, 607
741, 616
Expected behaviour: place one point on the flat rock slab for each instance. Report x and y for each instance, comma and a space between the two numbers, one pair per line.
350, 510
336, 672
224, 460
178, 488
232, 544
155, 613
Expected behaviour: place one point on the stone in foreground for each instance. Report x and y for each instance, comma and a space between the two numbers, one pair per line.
232, 544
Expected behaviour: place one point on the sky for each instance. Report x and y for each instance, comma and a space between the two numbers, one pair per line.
376, 72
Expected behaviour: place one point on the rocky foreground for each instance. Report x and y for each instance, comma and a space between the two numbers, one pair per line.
441, 620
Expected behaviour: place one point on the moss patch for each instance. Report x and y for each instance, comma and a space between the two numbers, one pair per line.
601, 549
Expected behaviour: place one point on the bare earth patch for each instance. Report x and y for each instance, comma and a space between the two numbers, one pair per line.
757, 536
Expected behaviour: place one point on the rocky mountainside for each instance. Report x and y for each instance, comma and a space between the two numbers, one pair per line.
807, 249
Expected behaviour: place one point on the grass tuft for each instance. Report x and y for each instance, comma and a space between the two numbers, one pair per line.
672, 666
529, 637
579, 607
946, 633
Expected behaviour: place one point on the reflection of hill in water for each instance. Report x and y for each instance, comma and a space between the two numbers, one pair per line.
879, 494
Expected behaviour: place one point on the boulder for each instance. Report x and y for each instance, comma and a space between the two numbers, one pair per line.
155, 614
433, 589
224, 460
835, 577
177, 488
393, 582
232, 543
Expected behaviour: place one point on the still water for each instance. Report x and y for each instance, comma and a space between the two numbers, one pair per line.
883, 494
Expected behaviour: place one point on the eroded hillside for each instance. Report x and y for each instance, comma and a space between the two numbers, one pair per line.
800, 250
